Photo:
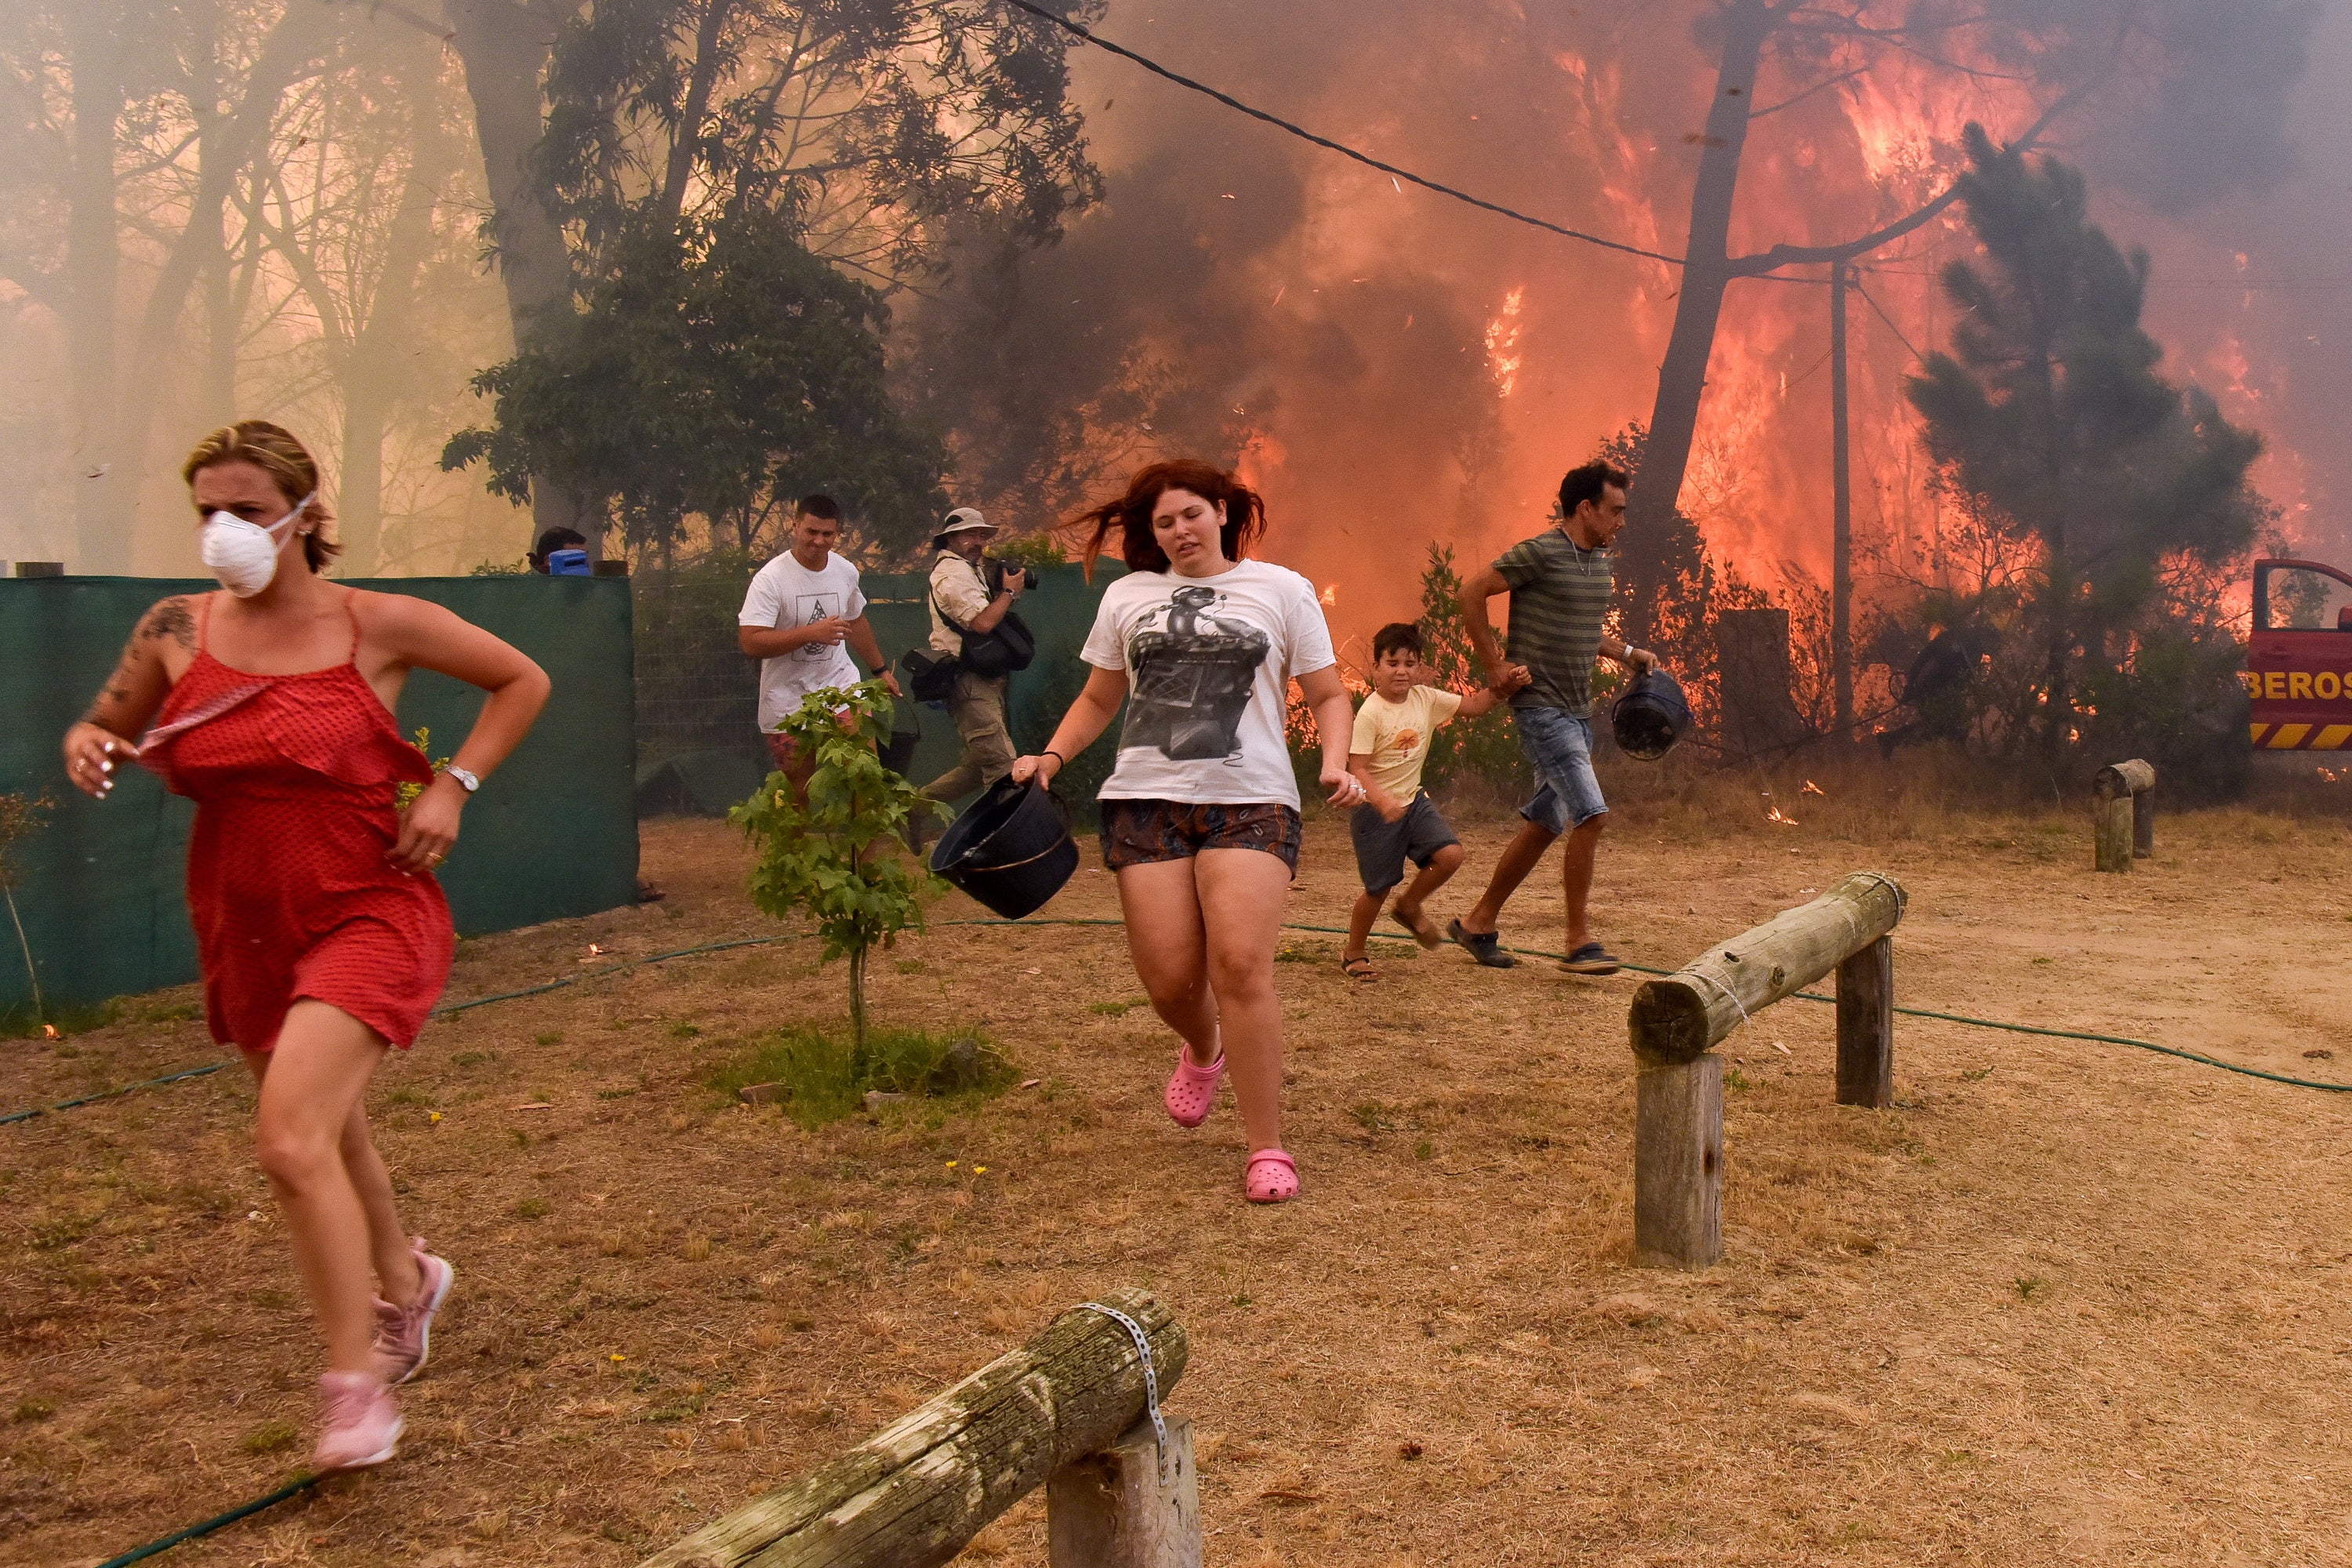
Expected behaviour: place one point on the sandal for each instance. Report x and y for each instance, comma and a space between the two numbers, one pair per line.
1192, 1090
1427, 932
1358, 968
1485, 946
1272, 1177
1590, 959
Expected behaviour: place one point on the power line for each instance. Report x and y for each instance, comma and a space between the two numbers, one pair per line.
1857, 286
1392, 169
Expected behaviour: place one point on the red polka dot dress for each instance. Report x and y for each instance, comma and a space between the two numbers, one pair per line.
293, 777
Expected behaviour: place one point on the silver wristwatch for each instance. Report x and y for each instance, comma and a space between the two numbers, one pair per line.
466, 777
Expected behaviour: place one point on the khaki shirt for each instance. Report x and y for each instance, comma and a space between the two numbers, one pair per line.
957, 586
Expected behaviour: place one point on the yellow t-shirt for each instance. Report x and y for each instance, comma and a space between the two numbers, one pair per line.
1396, 736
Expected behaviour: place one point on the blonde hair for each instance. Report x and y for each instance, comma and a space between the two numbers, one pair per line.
276, 451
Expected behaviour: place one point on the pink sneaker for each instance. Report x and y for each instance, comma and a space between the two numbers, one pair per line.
1192, 1090
361, 1422
404, 1335
1271, 1177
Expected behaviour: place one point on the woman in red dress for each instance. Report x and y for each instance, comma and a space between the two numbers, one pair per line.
323, 935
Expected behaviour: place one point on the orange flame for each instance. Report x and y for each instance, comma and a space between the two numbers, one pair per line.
2328, 774
1503, 356
49, 1031
1812, 788
1773, 814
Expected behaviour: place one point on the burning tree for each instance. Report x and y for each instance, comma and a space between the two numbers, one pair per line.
2050, 415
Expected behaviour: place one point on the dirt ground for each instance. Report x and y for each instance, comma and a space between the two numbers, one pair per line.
2067, 1303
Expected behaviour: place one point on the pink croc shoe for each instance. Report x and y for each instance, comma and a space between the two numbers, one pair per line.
1192, 1090
1272, 1177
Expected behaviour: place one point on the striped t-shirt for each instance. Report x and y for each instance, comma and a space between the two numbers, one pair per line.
1559, 593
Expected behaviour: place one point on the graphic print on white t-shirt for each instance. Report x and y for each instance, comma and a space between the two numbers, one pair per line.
1192, 675
807, 610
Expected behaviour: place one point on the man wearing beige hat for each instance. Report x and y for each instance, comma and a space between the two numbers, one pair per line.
963, 600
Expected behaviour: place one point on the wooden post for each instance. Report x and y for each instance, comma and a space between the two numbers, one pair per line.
2111, 824
1679, 1017
1678, 1162
1123, 1507
2117, 783
914, 1494
1865, 1026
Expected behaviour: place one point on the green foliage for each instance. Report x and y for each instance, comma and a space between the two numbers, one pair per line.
835, 859
1031, 550
716, 375
825, 1079
2049, 416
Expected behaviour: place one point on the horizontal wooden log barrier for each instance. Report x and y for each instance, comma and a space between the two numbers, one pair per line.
2123, 814
915, 1493
1677, 1020
1679, 1017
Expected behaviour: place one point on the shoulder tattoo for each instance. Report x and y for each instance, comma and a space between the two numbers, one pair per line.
171, 619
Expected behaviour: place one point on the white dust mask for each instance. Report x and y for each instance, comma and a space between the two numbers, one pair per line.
243, 556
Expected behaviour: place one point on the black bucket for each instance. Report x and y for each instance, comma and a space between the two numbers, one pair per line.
1011, 849
1651, 716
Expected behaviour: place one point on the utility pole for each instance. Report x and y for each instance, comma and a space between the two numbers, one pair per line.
1841, 508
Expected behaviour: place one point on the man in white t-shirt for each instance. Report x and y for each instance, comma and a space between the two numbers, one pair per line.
802, 608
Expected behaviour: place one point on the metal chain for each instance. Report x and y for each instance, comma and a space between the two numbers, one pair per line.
1151, 1375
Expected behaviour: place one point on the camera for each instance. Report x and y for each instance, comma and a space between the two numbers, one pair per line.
1000, 573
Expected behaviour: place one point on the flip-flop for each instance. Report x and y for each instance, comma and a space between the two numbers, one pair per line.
1271, 1177
1192, 1090
1487, 947
1359, 969
1590, 959
1427, 932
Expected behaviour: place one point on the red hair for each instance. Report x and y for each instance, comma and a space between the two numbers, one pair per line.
1131, 514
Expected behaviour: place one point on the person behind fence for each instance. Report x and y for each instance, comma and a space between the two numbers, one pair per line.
321, 933
963, 600
1398, 822
1559, 582
801, 617
560, 552
1200, 815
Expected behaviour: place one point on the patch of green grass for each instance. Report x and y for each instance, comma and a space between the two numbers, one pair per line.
33, 1410
270, 1437
20, 1022
684, 1031
910, 966
62, 1232
547, 1037
531, 1208
1108, 1009
1304, 953
1374, 1117
2026, 1286
1735, 1080
522, 1138
469, 1058
822, 1084
1975, 1075
1424, 1150
411, 1097
615, 1093
172, 1012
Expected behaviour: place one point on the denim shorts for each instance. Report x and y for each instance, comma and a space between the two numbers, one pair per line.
1559, 746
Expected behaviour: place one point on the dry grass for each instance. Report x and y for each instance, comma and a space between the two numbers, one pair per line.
2064, 1303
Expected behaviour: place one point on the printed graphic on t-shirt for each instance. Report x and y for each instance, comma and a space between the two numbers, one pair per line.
1404, 741
807, 610
1193, 672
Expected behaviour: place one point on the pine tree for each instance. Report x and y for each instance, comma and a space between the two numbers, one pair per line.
2050, 413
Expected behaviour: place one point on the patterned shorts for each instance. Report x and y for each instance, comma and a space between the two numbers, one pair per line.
1139, 832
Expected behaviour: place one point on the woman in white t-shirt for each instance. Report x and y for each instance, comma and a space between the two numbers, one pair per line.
1199, 816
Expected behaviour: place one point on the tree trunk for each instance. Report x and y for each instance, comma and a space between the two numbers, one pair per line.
1682, 379
505, 46
104, 486
371, 374
857, 1056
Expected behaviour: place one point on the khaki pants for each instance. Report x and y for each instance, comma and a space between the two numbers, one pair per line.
977, 706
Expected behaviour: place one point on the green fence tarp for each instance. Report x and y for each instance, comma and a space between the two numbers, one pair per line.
553, 834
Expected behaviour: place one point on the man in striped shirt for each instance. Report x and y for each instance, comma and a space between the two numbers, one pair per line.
1559, 582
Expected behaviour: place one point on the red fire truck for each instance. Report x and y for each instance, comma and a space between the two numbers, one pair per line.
2299, 658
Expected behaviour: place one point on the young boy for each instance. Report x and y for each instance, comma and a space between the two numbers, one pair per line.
1397, 821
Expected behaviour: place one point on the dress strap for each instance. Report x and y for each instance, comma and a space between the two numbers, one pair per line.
204, 619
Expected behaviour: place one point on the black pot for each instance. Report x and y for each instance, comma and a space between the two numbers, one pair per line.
1651, 716
1011, 849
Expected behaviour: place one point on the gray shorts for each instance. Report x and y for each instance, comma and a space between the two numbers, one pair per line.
1383, 847
1559, 746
